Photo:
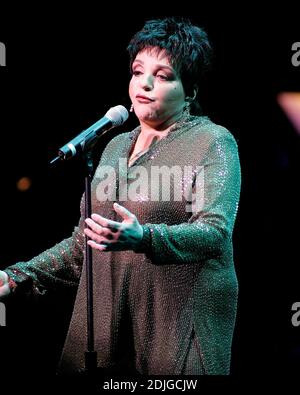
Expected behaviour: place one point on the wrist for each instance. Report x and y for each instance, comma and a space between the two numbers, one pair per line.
144, 244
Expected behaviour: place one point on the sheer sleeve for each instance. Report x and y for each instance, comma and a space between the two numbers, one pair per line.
58, 266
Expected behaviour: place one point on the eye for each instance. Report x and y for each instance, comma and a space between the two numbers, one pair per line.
136, 73
162, 77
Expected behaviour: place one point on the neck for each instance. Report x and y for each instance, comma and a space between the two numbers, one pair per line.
159, 130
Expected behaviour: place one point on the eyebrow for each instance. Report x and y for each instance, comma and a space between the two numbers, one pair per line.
159, 66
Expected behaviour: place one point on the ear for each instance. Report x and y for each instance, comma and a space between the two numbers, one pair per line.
195, 91
191, 99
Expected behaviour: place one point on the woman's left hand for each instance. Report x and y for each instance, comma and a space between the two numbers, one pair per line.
108, 235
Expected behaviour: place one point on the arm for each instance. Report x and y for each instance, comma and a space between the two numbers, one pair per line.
57, 266
208, 232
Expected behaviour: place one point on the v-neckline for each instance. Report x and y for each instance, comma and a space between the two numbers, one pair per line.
143, 152
177, 127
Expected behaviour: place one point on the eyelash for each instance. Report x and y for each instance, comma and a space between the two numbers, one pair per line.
163, 77
136, 73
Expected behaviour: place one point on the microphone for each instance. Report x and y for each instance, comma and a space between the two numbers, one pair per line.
115, 116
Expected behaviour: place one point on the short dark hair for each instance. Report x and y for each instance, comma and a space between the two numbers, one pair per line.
186, 45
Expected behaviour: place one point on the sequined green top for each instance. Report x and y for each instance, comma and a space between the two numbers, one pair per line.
181, 280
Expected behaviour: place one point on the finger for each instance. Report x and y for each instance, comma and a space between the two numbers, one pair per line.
96, 246
123, 212
94, 226
107, 223
107, 246
94, 236
99, 229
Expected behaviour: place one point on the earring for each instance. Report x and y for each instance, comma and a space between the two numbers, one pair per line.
131, 108
186, 108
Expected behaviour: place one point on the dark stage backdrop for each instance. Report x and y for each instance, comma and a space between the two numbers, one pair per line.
63, 71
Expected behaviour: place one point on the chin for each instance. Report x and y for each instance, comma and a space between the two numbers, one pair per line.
145, 114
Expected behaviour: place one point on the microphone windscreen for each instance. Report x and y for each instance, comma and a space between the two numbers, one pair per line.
118, 115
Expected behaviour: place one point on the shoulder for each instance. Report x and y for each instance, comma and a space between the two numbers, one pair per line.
205, 141
206, 133
117, 147
204, 127
118, 139
117, 143
124, 138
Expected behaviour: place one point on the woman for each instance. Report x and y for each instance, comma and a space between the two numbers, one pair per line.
165, 288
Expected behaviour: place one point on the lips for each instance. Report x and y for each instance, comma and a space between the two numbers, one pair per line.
143, 99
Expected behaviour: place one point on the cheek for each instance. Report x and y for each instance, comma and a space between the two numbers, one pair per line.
174, 95
131, 89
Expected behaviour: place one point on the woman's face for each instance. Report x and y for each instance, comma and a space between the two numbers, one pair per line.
155, 89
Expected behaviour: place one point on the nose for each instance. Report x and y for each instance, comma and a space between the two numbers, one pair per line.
146, 82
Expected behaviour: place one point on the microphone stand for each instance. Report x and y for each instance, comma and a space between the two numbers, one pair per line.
90, 354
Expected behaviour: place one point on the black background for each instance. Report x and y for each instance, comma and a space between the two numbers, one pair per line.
65, 69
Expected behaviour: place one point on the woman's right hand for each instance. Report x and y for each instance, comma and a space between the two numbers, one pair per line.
4, 287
